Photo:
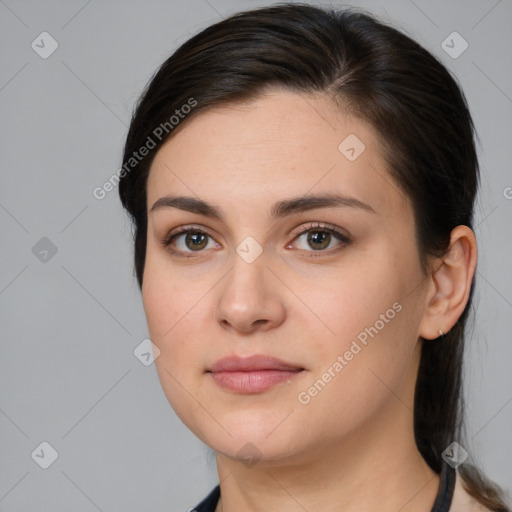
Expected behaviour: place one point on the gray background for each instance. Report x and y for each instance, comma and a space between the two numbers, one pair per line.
70, 321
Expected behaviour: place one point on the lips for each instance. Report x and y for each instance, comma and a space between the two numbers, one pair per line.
252, 363
253, 374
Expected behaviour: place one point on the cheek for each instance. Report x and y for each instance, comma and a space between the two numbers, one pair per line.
367, 338
165, 306
169, 295
361, 370
171, 307
179, 315
347, 303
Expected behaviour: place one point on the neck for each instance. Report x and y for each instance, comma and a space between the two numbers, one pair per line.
352, 477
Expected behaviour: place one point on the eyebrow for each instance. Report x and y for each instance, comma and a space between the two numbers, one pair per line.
279, 210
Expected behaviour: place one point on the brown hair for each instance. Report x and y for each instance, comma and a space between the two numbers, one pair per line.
384, 77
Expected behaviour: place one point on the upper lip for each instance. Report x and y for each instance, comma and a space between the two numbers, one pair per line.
251, 363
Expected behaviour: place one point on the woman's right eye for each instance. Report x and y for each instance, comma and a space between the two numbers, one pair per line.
189, 241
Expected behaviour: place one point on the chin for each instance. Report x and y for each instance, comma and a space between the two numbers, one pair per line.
250, 451
259, 435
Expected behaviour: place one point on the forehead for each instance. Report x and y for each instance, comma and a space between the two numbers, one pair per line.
281, 145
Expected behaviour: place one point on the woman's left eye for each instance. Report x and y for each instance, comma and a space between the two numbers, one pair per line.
319, 238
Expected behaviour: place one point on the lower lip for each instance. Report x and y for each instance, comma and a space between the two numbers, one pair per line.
252, 382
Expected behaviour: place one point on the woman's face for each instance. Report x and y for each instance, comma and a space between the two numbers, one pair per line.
330, 287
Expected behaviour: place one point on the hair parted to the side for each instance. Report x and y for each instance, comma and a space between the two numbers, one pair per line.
382, 76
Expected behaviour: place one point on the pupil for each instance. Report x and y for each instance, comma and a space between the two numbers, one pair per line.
198, 240
319, 237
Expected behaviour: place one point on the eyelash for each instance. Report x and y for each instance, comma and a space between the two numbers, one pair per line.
319, 227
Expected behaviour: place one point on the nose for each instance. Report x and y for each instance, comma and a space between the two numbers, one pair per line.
250, 298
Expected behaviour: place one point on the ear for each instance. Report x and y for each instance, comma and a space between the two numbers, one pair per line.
450, 284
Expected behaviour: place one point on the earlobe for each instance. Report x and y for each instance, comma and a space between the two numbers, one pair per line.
451, 281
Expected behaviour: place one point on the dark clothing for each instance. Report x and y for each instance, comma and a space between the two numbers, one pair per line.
442, 502
209, 503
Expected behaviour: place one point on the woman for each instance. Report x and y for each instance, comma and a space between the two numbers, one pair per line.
302, 183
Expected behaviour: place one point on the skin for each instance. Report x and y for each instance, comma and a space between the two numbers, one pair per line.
352, 446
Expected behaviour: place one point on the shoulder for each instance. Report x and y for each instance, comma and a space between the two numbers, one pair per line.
462, 501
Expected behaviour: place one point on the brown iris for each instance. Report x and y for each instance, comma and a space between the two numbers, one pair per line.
319, 238
198, 240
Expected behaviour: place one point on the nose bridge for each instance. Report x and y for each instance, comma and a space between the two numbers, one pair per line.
246, 281
248, 264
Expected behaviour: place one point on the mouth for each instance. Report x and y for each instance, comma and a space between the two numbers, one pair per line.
254, 374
